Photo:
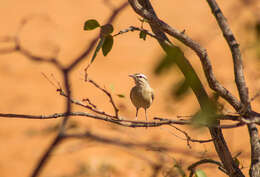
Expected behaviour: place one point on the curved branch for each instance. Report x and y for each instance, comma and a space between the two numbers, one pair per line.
234, 48
241, 86
193, 166
145, 9
199, 50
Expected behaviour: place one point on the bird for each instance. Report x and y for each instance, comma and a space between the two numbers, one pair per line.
142, 95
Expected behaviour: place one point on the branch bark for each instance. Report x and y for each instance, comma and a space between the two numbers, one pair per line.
121, 121
145, 9
241, 86
45, 157
199, 50
66, 72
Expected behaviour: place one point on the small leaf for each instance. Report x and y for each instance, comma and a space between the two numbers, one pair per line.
200, 173
100, 44
108, 44
143, 20
257, 28
180, 89
91, 24
165, 63
121, 95
107, 29
205, 118
236, 161
142, 35
180, 170
112, 87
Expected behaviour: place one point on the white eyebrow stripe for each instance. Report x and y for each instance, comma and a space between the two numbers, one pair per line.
141, 75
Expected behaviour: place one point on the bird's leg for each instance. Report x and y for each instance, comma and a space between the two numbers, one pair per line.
145, 116
136, 116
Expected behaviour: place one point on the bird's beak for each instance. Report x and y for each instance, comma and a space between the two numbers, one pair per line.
131, 75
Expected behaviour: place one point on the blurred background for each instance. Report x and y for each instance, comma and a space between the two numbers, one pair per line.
59, 24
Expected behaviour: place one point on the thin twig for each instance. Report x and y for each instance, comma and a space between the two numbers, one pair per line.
133, 28
89, 102
189, 139
108, 94
77, 102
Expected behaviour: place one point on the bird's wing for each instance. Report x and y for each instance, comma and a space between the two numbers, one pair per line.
152, 96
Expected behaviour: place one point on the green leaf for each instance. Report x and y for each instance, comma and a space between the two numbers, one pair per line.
180, 170
121, 95
165, 63
91, 24
112, 87
142, 35
108, 44
107, 29
236, 161
143, 20
205, 118
180, 89
200, 173
257, 28
100, 44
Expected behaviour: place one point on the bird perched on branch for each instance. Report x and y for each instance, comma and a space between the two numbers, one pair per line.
141, 94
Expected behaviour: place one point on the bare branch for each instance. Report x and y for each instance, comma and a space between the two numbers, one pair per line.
145, 9
199, 50
241, 86
108, 94
234, 48
193, 166
189, 139
77, 102
89, 102
121, 121
133, 28
66, 71
46, 156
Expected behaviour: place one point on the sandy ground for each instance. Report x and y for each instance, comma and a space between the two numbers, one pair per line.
58, 24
